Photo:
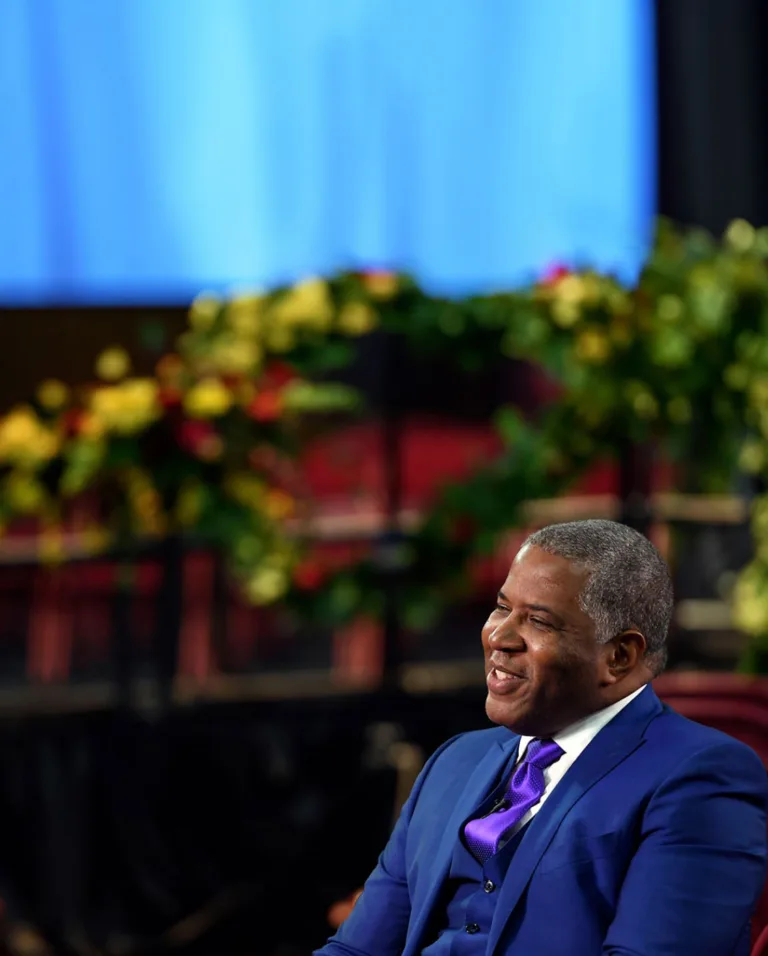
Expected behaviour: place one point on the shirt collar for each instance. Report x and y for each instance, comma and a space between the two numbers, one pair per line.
574, 739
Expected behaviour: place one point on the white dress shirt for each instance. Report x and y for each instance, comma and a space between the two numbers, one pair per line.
573, 740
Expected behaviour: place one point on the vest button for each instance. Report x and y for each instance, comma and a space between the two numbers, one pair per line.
489, 886
472, 928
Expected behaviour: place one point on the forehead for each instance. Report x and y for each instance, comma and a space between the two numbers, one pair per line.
537, 576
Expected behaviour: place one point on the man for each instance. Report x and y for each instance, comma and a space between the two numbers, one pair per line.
593, 820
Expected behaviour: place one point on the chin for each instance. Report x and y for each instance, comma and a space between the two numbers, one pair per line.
503, 713
514, 716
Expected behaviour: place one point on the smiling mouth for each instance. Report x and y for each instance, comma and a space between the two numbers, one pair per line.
504, 675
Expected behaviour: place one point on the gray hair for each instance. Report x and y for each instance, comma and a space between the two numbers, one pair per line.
629, 585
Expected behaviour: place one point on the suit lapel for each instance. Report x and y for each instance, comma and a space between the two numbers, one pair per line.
615, 742
476, 788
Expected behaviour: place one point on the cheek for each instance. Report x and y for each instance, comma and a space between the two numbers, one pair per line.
570, 675
552, 664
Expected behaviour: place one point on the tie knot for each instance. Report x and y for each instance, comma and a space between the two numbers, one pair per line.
543, 753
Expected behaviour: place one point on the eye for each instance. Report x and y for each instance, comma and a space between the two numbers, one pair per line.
540, 623
501, 607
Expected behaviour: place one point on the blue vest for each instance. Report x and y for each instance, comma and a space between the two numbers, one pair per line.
468, 902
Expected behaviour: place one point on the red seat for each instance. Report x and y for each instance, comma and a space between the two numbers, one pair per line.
761, 945
737, 705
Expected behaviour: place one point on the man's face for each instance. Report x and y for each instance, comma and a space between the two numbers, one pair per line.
543, 664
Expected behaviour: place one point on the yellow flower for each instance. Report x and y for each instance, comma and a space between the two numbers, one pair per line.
758, 392
702, 276
94, 539
24, 494
209, 398
593, 346
267, 583
146, 505
90, 427
113, 364
752, 456
203, 311
571, 288
52, 394
761, 242
645, 405
50, 546
308, 303
565, 313
750, 604
244, 313
280, 338
245, 488
233, 356
189, 504
672, 348
25, 440
590, 288
670, 308
356, 318
145, 502
125, 409
278, 505
740, 235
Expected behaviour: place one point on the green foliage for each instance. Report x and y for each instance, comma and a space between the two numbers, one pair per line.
678, 361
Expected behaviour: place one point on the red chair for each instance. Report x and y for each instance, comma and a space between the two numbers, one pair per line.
761, 945
733, 703
737, 705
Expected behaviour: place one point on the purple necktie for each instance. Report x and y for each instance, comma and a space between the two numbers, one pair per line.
525, 790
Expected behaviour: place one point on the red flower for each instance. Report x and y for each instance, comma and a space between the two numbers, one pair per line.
278, 374
554, 274
195, 435
72, 421
169, 397
309, 575
266, 406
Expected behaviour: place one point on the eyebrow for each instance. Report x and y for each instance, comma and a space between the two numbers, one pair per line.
501, 596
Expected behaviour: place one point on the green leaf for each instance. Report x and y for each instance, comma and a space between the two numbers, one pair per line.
510, 425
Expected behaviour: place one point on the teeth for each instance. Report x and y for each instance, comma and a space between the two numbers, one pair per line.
502, 676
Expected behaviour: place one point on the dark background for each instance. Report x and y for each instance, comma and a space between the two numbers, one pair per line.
231, 827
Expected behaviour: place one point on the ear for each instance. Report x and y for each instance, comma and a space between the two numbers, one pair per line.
623, 654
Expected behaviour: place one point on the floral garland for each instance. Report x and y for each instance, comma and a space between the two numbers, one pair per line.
205, 448
208, 445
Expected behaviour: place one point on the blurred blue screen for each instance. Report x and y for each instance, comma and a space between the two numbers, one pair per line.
151, 148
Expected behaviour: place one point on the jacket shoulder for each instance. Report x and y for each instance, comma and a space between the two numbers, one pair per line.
470, 747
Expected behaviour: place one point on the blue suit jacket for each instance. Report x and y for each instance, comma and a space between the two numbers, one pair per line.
652, 844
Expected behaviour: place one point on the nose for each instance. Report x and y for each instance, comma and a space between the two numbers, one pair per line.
504, 637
